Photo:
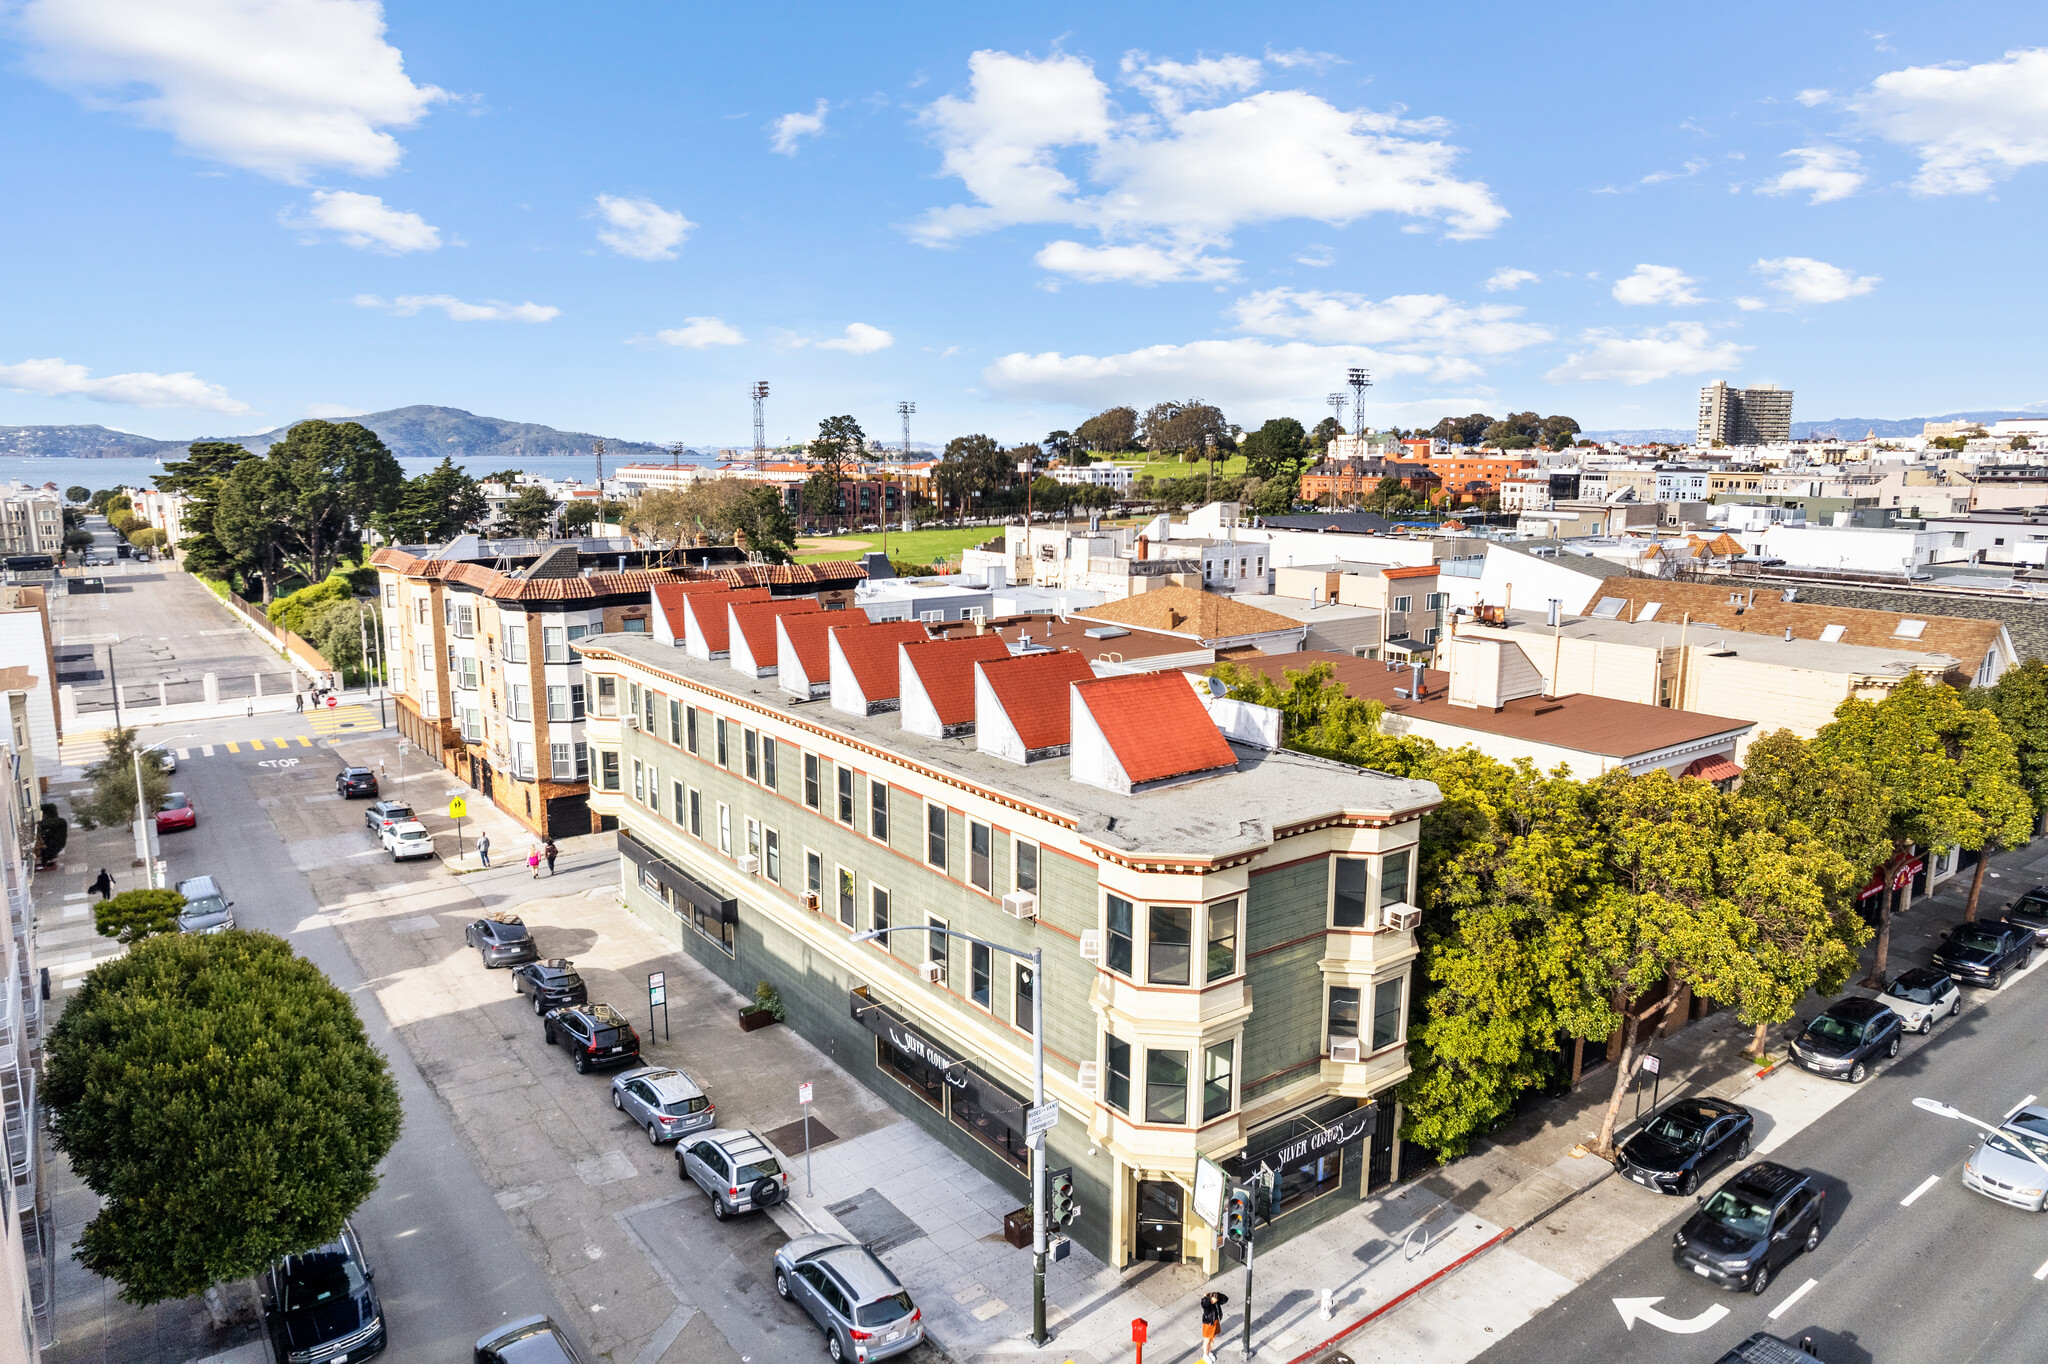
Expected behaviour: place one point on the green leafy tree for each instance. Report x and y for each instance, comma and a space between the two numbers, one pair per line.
1058, 444
435, 507
137, 914
148, 539
1327, 430
76, 539
220, 1096
2020, 701
199, 478
832, 457
295, 610
78, 492
1112, 429
117, 502
1192, 427
531, 511
763, 522
336, 628
332, 480
111, 801
101, 497
1279, 449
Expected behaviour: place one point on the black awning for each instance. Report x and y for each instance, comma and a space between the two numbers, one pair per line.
885, 1023
1300, 1139
993, 1099
705, 900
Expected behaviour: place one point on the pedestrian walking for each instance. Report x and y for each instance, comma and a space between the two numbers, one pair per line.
105, 885
299, 700
483, 849
550, 852
1212, 1322
533, 862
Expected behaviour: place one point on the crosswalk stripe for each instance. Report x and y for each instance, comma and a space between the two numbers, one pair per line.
280, 743
206, 750
183, 754
255, 745
234, 748
304, 742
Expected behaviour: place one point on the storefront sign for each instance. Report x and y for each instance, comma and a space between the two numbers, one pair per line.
886, 1024
1347, 1129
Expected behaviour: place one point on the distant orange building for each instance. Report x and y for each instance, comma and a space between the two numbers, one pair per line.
1470, 478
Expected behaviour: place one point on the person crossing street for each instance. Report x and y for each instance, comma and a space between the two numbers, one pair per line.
550, 852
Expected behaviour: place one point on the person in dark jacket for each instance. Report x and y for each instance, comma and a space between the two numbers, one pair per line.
550, 852
1212, 1322
105, 885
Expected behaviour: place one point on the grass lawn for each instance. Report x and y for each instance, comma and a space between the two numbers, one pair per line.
916, 546
1174, 468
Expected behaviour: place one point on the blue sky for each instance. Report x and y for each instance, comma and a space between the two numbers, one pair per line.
228, 214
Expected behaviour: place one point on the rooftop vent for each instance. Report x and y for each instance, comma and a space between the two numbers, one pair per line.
1100, 632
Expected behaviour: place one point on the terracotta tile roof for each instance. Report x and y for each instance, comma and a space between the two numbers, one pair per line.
1070, 634
806, 632
783, 575
1724, 543
500, 586
1191, 614
671, 594
1764, 611
946, 668
1155, 725
709, 614
756, 621
871, 653
1033, 691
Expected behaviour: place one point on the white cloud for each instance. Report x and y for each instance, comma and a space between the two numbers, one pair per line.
490, 310
332, 411
1183, 177
1509, 278
1317, 256
1655, 284
1650, 355
1750, 305
858, 339
791, 129
641, 228
56, 379
1810, 98
698, 332
365, 222
1829, 172
1422, 323
1233, 372
279, 87
1971, 126
1691, 167
1806, 280
1317, 62
1134, 264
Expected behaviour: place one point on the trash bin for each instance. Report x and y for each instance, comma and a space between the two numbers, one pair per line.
1017, 1228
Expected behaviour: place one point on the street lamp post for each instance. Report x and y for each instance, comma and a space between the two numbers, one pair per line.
1036, 956
1942, 1110
142, 849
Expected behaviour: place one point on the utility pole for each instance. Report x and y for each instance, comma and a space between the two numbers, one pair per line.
114, 680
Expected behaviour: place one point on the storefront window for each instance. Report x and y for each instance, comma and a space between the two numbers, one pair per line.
1166, 1086
1121, 916
1349, 909
1166, 958
1309, 1180
927, 1082
1222, 939
988, 1126
1386, 1013
1216, 1072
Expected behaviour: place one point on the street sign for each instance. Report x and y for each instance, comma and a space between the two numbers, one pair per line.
458, 808
1042, 1119
1653, 1065
657, 994
803, 1092
656, 979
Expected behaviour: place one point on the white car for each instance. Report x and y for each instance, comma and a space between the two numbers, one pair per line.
409, 839
1922, 995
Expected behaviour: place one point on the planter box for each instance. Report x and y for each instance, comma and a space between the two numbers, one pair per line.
752, 1020
1017, 1228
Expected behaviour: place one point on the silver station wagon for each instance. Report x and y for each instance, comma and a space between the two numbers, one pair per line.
667, 1103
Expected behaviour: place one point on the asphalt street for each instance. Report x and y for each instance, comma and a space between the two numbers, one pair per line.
1907, 1269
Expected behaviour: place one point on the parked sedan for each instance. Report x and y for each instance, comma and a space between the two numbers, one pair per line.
177, 813
552, 983
1751, 1226
501, 939
408, 839
593, 1035
385, 813
860, 1306
1922, 995
667, 1103
2001, 1167
351, 782
1685, 1141
1986, 952
530, 1340
2031, 911
1844, 1042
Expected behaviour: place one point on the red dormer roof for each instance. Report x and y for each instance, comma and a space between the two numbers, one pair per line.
756, 621
1155, 725
871, 653
709, 613
1032, 689
946, 667
806, 631
671, 595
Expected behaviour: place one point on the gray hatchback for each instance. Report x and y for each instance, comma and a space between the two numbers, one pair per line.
207, 908
860, 1306
736, 1168
666, 1102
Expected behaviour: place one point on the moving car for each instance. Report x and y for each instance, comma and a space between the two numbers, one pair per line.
530, 1340
860, 1306
384, 813
177, 813
2000, 1167
1920, 996
207, 909
167, 759
409, 839
736, 1168
1765, 1348
665, 1102
1843, 1042
320, 1306
2031, 911
501, 939
1985, 952
1684, 1141
1752, 1225
552, 983
593, 1035
351, 782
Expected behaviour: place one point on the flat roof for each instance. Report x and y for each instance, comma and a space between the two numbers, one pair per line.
1819, 655
1072, 633
1223, 816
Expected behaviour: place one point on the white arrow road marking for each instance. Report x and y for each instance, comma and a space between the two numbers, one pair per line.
1796, 1294
1634, 1310
1914, 1196
2042, 1272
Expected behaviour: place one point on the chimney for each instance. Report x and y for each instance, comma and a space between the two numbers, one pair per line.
1142, 548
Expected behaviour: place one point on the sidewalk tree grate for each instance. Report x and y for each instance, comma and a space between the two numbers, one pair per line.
789, 1138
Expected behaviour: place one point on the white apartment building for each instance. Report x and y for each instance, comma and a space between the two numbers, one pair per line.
1758, 415
1117, 476
31, 520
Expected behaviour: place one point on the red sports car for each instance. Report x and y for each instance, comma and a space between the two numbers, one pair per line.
177, 813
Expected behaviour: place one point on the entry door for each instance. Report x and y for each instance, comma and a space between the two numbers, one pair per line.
1159, 1220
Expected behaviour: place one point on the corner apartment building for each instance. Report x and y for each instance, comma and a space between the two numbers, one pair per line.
1226, 933
31, 520
1758, 415
28, 1250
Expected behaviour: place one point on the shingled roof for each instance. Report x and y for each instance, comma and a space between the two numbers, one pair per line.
1154, 726
1187, 612
1031, 691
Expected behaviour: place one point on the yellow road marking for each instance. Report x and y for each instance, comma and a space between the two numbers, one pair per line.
304, 742
256, 745
233, 748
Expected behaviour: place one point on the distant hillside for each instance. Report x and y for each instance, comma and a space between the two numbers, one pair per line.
1848, 428
410, 432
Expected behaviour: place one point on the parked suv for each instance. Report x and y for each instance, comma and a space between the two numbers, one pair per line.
1921, 995
385, 813
1751, 1226
666, 1102
2001, 1166
500, 939
1843, 1042
552, 983
207, 909
593, 1034
1685, 1141
1986, 952
351, 782
859, 1305
321, 1305
736, 1168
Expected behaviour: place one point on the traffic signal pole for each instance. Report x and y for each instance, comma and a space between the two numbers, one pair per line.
1245, 1346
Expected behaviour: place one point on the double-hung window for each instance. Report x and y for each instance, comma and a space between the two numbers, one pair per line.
519, 701
1394, 877
768, 762
697, 813
981, 972
675, 722
845, 775
1122, 925
679, 804
554, 644
725, 828
878, 913
878, 809
1024, 864
1020, 996
1343, 1013
690, 729
639, 781
1386, 1013
750, 745
558, 703
515, 643
724, 756
811, 780
1218, 1062
562, 762
1166, 1086
772, 841
1348, 909
1117, 1073
846, 897
1166, 956
935, 836
980, 863
1222, 955
608, 769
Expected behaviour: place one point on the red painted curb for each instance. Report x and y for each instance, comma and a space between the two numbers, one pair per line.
1406, 1294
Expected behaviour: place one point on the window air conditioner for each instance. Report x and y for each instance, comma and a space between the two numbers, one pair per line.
1087, 1075
632, 722
1345, 1052
934, 972
1400, 916
749, 864
810, 899
1021, 904
1091, 944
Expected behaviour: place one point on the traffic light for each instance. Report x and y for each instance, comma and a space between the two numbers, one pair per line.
1237, 1214
1059, 1191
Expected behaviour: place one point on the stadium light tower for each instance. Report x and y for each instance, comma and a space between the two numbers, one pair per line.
1361, 380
